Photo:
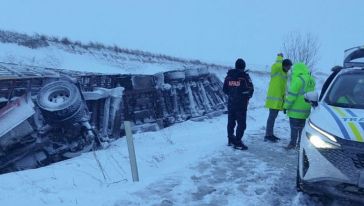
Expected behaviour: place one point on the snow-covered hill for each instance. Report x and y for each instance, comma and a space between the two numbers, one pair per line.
40, 50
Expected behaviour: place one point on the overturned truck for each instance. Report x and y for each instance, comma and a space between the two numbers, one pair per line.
48, 115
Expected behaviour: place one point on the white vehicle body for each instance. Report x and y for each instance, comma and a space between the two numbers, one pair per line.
331, 155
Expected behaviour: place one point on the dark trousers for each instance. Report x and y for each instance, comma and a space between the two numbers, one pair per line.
296, 129
236, 117
273, 113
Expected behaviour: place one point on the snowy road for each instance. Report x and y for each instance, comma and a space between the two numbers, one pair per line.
263, 175
186, 164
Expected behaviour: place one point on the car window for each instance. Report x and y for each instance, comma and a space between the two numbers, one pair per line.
347, 91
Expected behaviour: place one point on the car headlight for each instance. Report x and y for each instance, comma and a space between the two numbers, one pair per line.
322, 139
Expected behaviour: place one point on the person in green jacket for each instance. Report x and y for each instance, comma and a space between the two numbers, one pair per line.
276, 94
295, 105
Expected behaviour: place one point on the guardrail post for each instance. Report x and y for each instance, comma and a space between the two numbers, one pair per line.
132, 158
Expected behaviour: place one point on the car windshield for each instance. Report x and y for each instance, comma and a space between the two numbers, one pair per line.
347, 91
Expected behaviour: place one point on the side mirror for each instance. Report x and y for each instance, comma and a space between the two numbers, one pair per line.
312, 98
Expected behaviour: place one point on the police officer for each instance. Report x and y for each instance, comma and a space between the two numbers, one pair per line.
239, 88
295, 105
276, 94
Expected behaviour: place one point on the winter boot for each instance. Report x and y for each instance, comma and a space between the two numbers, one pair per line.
231, 141
240, 145
271, 138
290, 146
277, 138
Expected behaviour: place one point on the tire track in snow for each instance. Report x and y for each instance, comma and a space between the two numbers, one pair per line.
263, 175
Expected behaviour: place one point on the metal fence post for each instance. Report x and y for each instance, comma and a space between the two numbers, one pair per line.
132, 158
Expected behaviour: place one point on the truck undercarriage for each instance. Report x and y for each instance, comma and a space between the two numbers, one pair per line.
48, 115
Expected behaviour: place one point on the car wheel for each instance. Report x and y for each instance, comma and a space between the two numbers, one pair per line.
300, 184
298, 181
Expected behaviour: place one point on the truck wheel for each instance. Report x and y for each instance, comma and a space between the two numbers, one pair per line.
175, 75
141, 82
59, 100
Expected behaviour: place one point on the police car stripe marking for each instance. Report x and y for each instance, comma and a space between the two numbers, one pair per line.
338, 122
351, 125
355, 131
350, 112
341, 113
362, 125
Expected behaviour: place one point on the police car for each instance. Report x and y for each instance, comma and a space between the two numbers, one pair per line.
331, 147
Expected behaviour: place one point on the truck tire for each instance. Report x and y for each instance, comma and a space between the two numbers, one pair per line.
143, 82
59, 100
175, 75
192, 73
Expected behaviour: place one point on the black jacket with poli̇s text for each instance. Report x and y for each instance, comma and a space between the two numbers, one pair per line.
239, 88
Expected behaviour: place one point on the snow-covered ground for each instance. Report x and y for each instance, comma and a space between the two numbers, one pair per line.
186, 164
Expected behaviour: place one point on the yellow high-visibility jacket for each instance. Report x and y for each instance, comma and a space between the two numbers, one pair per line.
301, 83
277, 86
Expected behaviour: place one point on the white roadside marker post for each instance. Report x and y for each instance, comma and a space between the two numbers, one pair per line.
132, 158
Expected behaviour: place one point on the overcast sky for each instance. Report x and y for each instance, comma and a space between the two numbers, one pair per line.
214, 31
